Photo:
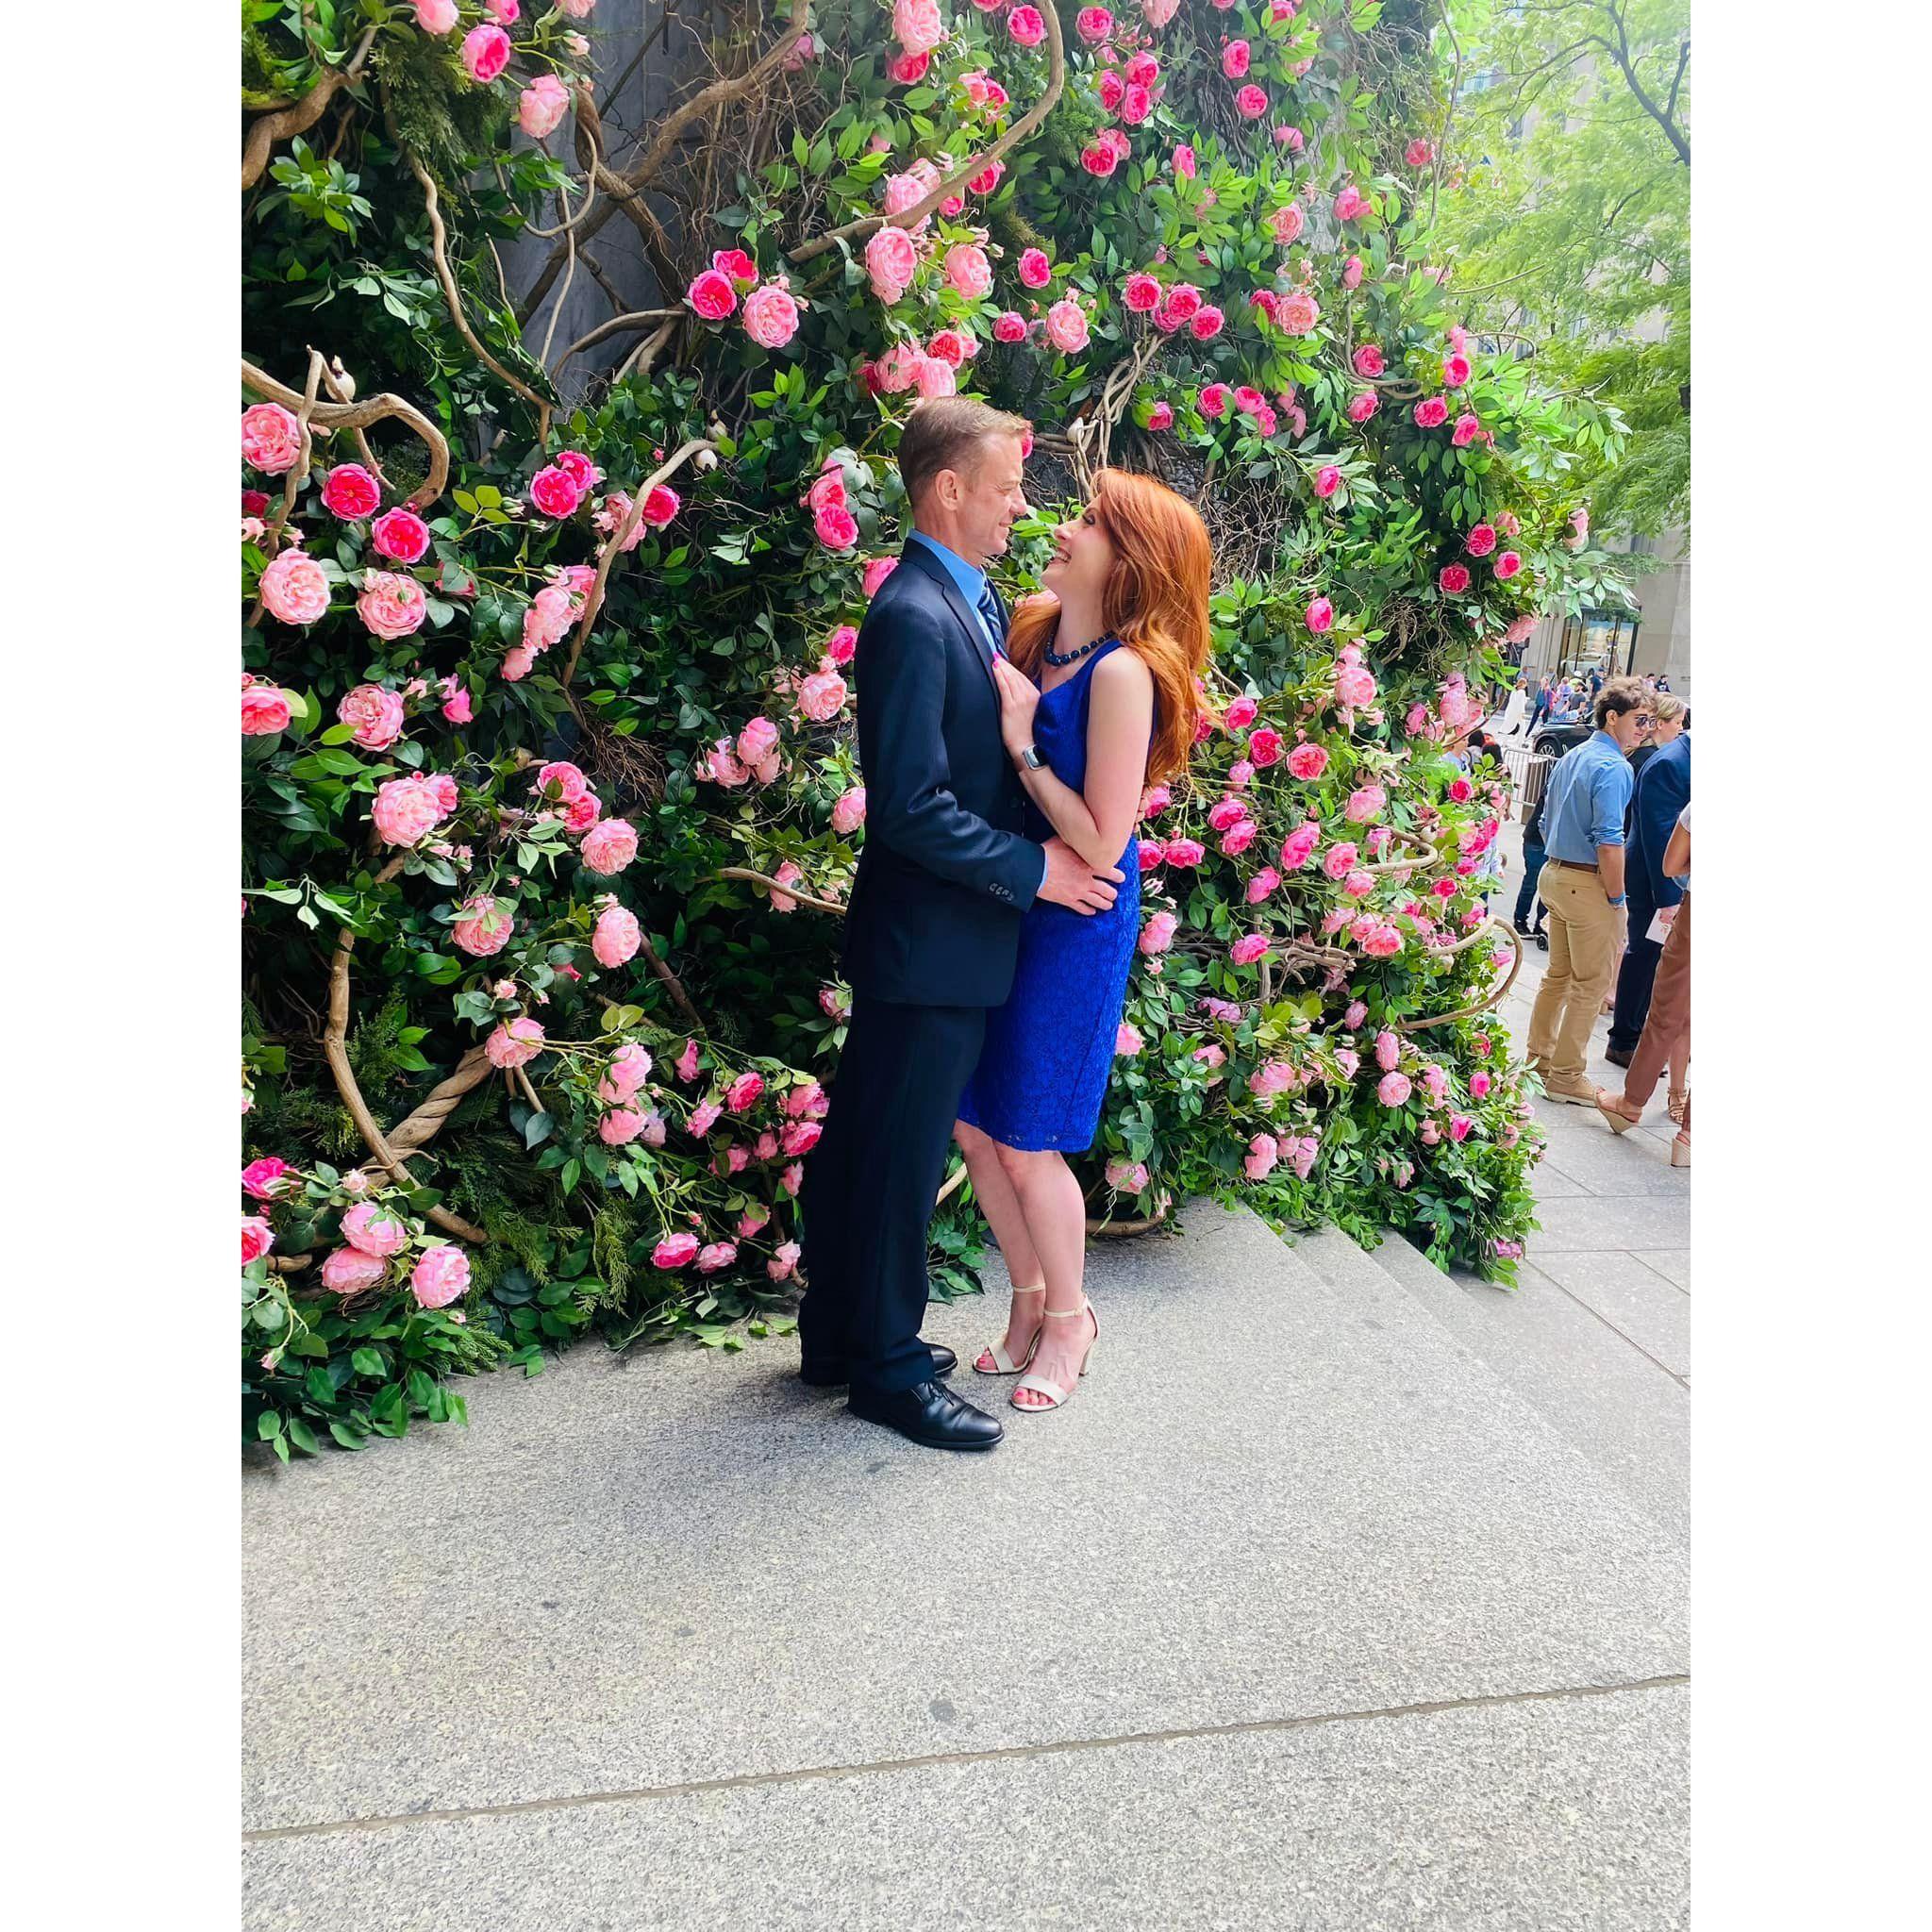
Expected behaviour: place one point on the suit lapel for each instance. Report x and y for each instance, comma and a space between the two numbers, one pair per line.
931, 567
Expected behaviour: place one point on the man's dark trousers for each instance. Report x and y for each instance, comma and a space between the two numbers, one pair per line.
870, 1186
1637, 974
1533, 859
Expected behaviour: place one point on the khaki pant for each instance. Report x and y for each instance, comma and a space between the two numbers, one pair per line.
1667, 1032
1586, 937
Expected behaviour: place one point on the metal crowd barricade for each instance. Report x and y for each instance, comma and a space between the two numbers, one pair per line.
1529, 772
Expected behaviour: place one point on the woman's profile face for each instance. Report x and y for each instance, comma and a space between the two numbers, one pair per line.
1667, 728
1083, 556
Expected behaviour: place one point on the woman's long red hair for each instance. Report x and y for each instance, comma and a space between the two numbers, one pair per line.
1155, 601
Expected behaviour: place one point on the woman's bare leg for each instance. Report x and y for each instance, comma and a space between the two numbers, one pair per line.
1056, 1215
1001, 1206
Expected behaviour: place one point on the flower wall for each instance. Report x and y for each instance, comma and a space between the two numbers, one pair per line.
549, 782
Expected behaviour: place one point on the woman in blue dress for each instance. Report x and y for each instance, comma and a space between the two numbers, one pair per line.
1099, 696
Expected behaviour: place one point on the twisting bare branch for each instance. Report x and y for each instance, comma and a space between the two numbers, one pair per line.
300, 116
360, 415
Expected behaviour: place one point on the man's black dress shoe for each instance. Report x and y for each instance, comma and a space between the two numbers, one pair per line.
930, 1414
1620, 1056
835, 1373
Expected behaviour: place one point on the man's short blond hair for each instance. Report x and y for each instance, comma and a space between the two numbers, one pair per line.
949, 433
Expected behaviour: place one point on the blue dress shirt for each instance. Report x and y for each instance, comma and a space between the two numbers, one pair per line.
1584, 804
972, 583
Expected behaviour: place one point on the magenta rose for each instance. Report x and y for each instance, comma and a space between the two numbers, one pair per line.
837, 527
713, 295
1321, 616
1508, 564
1141, 293
486, 53
1034, 270
1026, 26
555, 492
1431, 413
1011, 327
1264, 746
1252, 102
1480, 540
351, 493
400, 534
1454, 579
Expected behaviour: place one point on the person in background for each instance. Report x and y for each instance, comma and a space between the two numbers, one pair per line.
1516, 714
1582, 884
1661, 791
1545, 693
1669, 718
1533, 858
1667, 1032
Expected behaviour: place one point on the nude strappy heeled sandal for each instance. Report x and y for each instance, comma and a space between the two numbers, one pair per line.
1008, 1366
1056, 1397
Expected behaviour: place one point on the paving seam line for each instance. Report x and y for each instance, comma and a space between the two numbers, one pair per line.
1682, 1381
880, 1767
1637, 1254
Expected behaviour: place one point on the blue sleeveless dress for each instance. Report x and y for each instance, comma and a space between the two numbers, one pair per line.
1049, 1051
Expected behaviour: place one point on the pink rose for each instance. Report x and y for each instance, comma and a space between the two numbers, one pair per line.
1393, 1088
892, 260
541, 106
374, 1229
1206, 322
1248, 948
265, 711
349, 1271
1141, 293
621, 1125
743, 1090
1010, 327
1350, 205
878, 570
1262, 885
784, 1261
610, 846
351, 493
933, 378
916, 25
1338, 860
1066, 326
392, 606
1299, 847
1507, 565
1455, 371
513, 1042
1369, 361
907, 68
555, 492
1460, 1126
1160, 416
1363, 405
270, 439
675, 1251
1157, 934
482, 929
712, 294
1237, 838
1212, 401
258, 1238
1252, 102
1262, 1154
1352, 272
1034, 270
436, 16
1328, 480
404, 810
486, 53
1453, 579
1126, 1176
1185, 852
704, 1118
1240, 714
1321, 616
822, 696
1366, 804
1419, 154
848, 813
771, 316
1264, 746
1234, 59
441, 1277
1093, 25
1461, 791
294, 588
1285, 224
968, 271
837, 527
718, 1255
1431, 413
799, 1138
1388, 1050
376, 714
616, 937
1126, 1041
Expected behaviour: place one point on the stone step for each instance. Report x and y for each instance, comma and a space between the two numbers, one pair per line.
1278, 1499
1617, 1396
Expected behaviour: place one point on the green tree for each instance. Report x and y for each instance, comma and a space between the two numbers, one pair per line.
1567, 211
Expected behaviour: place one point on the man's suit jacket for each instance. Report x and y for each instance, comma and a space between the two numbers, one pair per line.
1663, 790
944, 872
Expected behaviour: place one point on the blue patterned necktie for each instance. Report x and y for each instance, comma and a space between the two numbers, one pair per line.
990, 610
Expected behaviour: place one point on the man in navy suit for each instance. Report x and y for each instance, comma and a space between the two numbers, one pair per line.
1663, 790
932, 931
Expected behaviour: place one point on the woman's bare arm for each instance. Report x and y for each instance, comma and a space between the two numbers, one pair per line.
1098, 821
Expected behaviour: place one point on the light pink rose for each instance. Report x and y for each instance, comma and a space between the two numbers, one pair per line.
265, 711
258, 1238
514, 1043
375, 1229
482, 927
1285, 224
436, 16
1394, 1089
1362, 405
1252, 102
1262, 1156
933, 378
1066, 326
392, 606
720, 1255
822, 696
610, 846
405, 810
1126, 1176
349, 1271
270, 439
784, 1261
675, 1251
621, 1125
1156, 936
892, 260
541, 106
704, 1118
771, 316
441, 1277
848, 813
968, 271
878, 570
1234, 59
294, 588
918, 25
617, 937
376, 714
1248, 948
1126, 1041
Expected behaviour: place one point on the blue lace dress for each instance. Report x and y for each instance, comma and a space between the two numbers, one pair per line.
1049, 1051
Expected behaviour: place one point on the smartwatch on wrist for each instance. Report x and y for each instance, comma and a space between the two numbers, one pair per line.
1030, 758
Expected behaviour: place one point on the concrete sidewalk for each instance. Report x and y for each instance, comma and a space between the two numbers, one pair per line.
1343, 1595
